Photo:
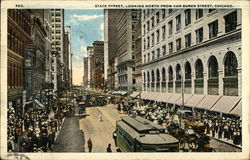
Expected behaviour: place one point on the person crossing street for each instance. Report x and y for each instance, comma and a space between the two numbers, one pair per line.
90, 145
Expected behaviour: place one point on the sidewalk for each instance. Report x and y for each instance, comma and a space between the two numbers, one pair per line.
225, 140
70, 138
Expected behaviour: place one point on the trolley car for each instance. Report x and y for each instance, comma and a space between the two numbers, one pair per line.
141, 135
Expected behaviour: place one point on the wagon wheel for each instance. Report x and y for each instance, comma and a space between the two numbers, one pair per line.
192, 141
182, 142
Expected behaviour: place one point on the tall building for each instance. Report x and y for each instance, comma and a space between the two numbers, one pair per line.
199, 49
110, 48
98, 60
57, 47
70, 54
35, 56
138, 53
85, 73
19, 35
126, 21
90, 52
48, 48
67, 57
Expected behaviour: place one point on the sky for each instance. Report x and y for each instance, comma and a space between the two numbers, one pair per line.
86, 27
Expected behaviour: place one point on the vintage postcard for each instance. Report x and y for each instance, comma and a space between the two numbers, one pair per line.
124, 80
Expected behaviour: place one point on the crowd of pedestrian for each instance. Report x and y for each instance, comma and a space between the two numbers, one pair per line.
35, 129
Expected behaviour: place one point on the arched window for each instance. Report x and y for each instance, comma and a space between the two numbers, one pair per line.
157, 75
230, 64
170, 73
178, 72
198, 69
212, 67
153, 76
187, 70
144, 76
148, 76
163, 74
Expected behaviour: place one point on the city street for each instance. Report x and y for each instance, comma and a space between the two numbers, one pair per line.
77, 130
101, 132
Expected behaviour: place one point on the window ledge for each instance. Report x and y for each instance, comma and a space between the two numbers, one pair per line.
177, 32
212, 13
198, 20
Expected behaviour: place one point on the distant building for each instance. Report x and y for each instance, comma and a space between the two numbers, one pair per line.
90, 72
126, 22
85, 75
67, 57
98, 56
110, 48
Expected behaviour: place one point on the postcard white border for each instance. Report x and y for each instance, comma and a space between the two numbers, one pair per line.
67, 4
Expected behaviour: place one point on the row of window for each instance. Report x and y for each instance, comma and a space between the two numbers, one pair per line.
123, 79
213, 32
150, 24
230, 69
19, 17
122, 69
230, 24
15, 75
56, 20
15, 43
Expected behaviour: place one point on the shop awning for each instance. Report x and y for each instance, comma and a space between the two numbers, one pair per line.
173, 98
194, 100
208, 101
186, 98
134, 94
158, 98
226, 103
153, 96
149, 95
144, 94
163, 97
237, 110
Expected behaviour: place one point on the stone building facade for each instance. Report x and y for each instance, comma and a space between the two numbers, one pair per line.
98, 65
85, 73
19, 35
110, 47
138, 77
199, 49
126, 21
57, 45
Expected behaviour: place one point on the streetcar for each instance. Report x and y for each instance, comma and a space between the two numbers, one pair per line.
82, 109
136, 134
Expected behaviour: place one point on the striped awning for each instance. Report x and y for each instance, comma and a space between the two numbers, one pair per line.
173, 98
134, 94
194, 100
237, 110
226, 103
208, 101
186, 98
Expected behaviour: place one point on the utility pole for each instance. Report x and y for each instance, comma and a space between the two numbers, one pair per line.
182, 91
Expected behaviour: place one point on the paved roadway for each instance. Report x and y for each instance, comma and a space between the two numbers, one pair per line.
101, 132
77, 130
